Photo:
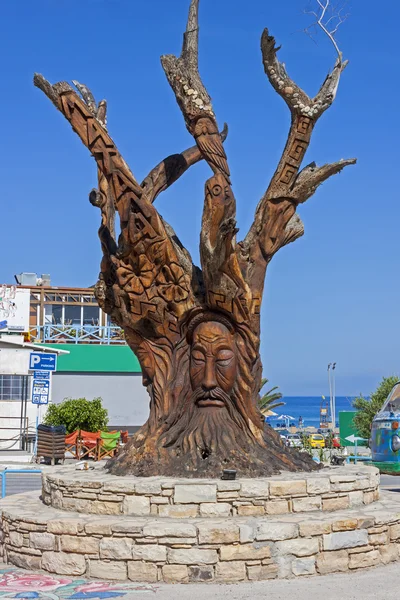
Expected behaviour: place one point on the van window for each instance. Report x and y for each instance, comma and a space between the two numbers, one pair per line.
392, 404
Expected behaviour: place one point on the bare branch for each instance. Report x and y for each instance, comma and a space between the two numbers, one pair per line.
171, 168
311, 177
328, 18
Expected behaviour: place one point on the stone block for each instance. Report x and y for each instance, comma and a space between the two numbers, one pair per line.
300, 547
253, 488
73, 504
389, 553
116, 548
108, 570
356, 498
338, 503
120, 487
307, 504
247, 534
196, 493
159, 500
175, 574
303, 566
309, 528
288, 488
365, 559
318, 485
149, 487
223, 533
262, 572
228, 486
220, 509
42, 541
345, 525
192, 556
150, 552
98, 528
277, 507
345, 539
139, 506
332, 562
276, 531
16, 539
24, 561
142, 572
69, 527
127, 526
104, 508
184, 511
394, 531
230, 572
368, 497
198, 574
244, 552
248, 510
160, 529
80, 545
227, 495
379, 539
63, 563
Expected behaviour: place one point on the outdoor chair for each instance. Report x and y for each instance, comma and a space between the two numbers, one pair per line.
88, 444
107, 444
72, 443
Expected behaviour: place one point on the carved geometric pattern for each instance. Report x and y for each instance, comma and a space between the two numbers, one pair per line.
288, 173
304, 125
156, 280
297, 150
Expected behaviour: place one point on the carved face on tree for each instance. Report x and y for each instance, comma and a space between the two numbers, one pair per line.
212, 364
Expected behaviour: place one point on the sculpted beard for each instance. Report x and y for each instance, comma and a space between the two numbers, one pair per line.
207, 429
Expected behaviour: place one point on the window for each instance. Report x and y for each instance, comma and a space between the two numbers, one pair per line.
11, 387
90, 315
56, 314
72, 315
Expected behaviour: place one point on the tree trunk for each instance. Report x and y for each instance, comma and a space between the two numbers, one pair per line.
196, 332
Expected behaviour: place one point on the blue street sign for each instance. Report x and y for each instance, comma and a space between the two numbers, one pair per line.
3, 324
40, 391
42, 361
41, 375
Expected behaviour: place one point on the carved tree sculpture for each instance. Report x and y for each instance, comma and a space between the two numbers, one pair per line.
197, 332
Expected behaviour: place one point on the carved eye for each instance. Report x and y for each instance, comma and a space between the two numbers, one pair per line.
198, 358
216, 190
225, 358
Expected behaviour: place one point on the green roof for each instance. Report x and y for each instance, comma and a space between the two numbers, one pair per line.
88, 358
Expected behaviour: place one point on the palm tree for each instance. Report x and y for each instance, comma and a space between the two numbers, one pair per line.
268, 401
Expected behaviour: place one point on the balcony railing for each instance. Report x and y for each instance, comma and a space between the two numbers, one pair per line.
77, 334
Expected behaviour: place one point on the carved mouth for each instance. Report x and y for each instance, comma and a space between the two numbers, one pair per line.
203, 402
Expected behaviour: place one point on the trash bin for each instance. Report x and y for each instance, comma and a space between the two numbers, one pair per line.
51, 443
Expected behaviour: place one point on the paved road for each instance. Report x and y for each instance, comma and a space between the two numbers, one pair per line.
390, 482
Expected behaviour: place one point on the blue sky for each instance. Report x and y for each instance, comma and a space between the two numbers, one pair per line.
331, 296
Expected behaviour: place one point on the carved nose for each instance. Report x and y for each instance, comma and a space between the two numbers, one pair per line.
209, 381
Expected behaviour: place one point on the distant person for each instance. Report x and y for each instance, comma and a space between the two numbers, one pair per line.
300, 422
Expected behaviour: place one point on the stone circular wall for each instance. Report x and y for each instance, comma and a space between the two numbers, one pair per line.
229, 549
97, 492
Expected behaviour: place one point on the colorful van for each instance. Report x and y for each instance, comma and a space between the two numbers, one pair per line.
385, 434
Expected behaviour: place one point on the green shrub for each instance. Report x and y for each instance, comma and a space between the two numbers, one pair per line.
367, 408
78, 413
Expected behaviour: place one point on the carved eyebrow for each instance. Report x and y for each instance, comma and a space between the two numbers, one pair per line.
214, 338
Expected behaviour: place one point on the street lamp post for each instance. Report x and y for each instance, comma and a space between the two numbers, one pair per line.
334, 395
330, 389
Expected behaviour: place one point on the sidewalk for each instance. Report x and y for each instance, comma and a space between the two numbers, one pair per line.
375, 584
